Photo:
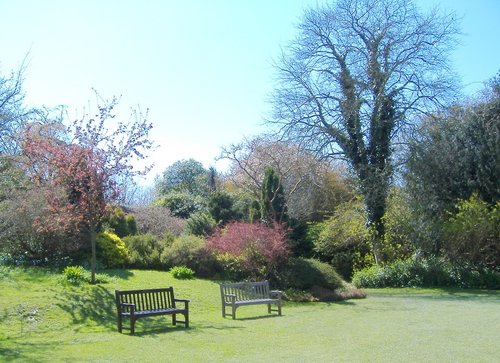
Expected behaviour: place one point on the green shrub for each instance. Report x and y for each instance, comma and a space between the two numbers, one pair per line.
111, 251
75, 275
400, 227
230, 267
306, 273
344, 239
189, 251
145, 250
181, 272
472, 235
200, 224
432, 272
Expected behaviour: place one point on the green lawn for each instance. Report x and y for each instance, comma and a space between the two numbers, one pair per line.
43, 321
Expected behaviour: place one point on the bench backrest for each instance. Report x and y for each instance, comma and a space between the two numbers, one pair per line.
150, 299
245, 290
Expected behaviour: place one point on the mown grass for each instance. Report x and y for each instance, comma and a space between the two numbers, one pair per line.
43, 321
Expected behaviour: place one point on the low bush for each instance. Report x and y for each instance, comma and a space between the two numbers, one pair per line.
181, 272
307, 273
432, 272
189, 251
145, 250
111, 251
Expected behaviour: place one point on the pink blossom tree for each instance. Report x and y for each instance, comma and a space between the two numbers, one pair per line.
85, 171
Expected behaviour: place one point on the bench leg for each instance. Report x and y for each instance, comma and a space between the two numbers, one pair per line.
119, 323
269, 308
186, 319
233, 310
174, 319
279, 308
132, 326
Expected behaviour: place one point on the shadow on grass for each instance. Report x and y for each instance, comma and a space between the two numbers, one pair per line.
256, 317
120, 273
24, 351
92, 304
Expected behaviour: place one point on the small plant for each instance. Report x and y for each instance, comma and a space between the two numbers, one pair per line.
181, 272
75, 275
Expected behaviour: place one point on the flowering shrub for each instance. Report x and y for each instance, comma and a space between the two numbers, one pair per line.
111, 251
258, 248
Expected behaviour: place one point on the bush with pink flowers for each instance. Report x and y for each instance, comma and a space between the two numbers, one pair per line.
256, 248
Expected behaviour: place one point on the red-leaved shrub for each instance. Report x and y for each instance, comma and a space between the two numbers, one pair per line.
257, 248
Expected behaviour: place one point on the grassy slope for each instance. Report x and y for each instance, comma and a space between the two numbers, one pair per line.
40, 320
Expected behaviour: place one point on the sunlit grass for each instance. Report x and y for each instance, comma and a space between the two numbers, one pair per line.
44, 321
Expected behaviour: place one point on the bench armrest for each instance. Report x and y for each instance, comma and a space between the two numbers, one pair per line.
186, 302
231, 296
276, 293
128, 307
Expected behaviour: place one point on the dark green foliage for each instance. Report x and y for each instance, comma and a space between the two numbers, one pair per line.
121, 224
303, 274
301, 238
200, 224
182, 272
221, 207
456, 155
145, 250
431, 272
273, 203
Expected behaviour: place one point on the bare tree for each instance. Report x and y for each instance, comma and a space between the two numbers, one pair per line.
356, 78
311, 187
12, 111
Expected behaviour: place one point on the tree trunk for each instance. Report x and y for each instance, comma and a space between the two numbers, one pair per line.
93, 242
375, 187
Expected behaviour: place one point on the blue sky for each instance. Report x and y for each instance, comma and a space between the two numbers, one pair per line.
203, 68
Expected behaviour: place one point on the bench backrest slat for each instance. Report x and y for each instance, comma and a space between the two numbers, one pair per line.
151, 299
245, 290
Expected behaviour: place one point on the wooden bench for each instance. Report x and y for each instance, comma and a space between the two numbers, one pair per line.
135, 304
249, 293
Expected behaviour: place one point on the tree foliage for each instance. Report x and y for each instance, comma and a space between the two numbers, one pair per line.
456, 155
187, 176
353, 80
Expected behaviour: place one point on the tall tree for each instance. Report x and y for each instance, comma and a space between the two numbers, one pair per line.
273, 204
356, 77
90, 165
